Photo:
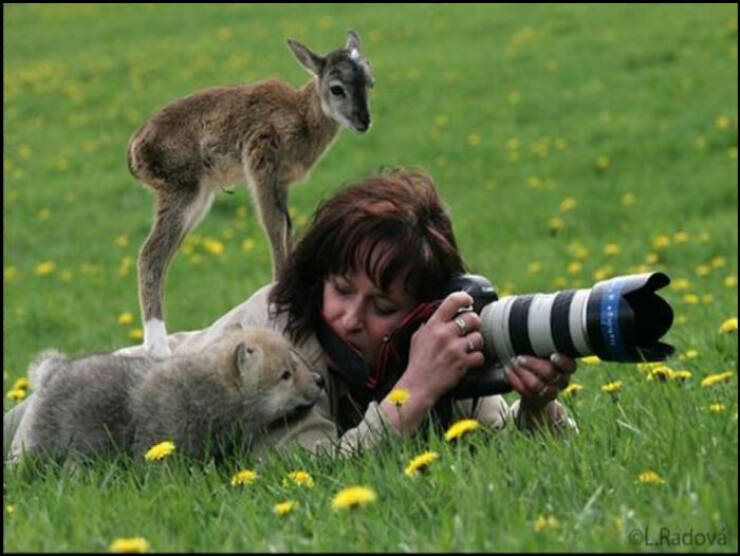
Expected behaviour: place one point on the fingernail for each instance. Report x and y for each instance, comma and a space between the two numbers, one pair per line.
521, 360
555, 358
514, 361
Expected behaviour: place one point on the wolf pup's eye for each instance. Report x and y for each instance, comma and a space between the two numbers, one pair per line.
286, 375
337, 91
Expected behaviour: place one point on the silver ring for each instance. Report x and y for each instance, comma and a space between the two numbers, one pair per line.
470, 348
460, 322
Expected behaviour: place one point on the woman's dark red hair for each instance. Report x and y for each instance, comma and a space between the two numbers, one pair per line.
388, 225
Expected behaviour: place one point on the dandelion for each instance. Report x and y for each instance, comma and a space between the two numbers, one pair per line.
473, 139
691, 298
133, 544
224, 33
717, 407
121, 241
730, 325
300, 478
574, 267
213, 246
534, 267
136, 334
571, 389
10, 508
648, 366
652, 258
680, 284
125, 318
604, 272
10, 273
661, 241
591, 359
662, 373
420, 463
578, 251
611, 249
707, 298
555, 224
711, 380
612, 387
702, 270
730, 282
628, 199
732, 153
651, 477
399, 396
284, 508
680, 237
691, 354
16, 394
44, 269
353, 497
461, 428
542, 523
680, 375
722, 122
21, 384
245, 476
44, 214
602, 162
569, 203
160, 451
718, 261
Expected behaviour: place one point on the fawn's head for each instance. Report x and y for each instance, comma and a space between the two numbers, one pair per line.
343, 78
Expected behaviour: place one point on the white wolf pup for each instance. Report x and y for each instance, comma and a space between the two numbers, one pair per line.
207, 403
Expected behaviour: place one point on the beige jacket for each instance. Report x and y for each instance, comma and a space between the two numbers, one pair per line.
317, 430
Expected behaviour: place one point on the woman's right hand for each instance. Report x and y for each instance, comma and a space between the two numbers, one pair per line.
444, 348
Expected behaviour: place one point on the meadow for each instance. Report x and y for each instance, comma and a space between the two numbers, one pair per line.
571, 143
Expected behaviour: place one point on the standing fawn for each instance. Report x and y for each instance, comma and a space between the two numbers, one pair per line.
266, 134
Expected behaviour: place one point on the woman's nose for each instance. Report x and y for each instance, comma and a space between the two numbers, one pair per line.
353, 317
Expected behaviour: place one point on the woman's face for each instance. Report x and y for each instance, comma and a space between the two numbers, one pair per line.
361, 313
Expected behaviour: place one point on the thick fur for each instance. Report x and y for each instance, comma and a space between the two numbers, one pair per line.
208, 402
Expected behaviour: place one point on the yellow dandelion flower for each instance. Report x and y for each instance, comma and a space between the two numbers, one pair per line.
44, 214
121, 241
680, 284
21, 384
574, 267
213, 246
648, 366
300, 478
652, 258
691, 298
224, 33
353, 497
681, 375
612, 387
399, 396
284, 508
722, 122
44, 269
534, 267
602, 162
10, 508
569, 203
702, 270
125, 318
650, 477
512, 144
195, 259
160, 451
730, 325
571, 389
461, 428
732, 153
555, 224
730, 282
245, 476
691, 354
604, 272
628, 199
133, 545
10, 273
662, 373
661, 241
17, 394
473, 139
700, 142
542, 523
441, 120
680, 237
591, 359
611, 249
707, 298
718, 261
717, 407
420, 463
711, 380
136, 334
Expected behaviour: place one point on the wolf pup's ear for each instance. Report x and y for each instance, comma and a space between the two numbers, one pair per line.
353, 41
244, 358
308, 58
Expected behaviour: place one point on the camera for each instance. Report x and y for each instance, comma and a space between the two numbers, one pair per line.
619, 319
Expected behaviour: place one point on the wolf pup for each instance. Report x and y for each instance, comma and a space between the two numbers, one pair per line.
206, 402
266, 134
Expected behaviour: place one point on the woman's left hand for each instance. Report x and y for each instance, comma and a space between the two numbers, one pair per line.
539, 381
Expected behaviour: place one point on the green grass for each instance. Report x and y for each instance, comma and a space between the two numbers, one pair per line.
653, 88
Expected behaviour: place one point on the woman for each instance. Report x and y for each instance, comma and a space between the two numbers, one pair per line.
372, 253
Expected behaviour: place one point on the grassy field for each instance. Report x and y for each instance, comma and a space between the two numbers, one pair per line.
572, 143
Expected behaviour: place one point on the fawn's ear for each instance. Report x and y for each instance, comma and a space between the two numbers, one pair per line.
310, 60
353, 41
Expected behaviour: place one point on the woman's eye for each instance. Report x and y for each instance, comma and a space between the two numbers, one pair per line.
337, 91
286, 375
382, 310
341, 288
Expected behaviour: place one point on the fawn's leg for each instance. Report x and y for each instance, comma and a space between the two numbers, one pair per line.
261, 167
176, 214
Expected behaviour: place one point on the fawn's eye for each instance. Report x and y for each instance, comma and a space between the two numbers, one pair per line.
337, 91
285, 376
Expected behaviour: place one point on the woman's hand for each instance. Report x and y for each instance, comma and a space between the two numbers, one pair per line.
441, 352
539, 381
